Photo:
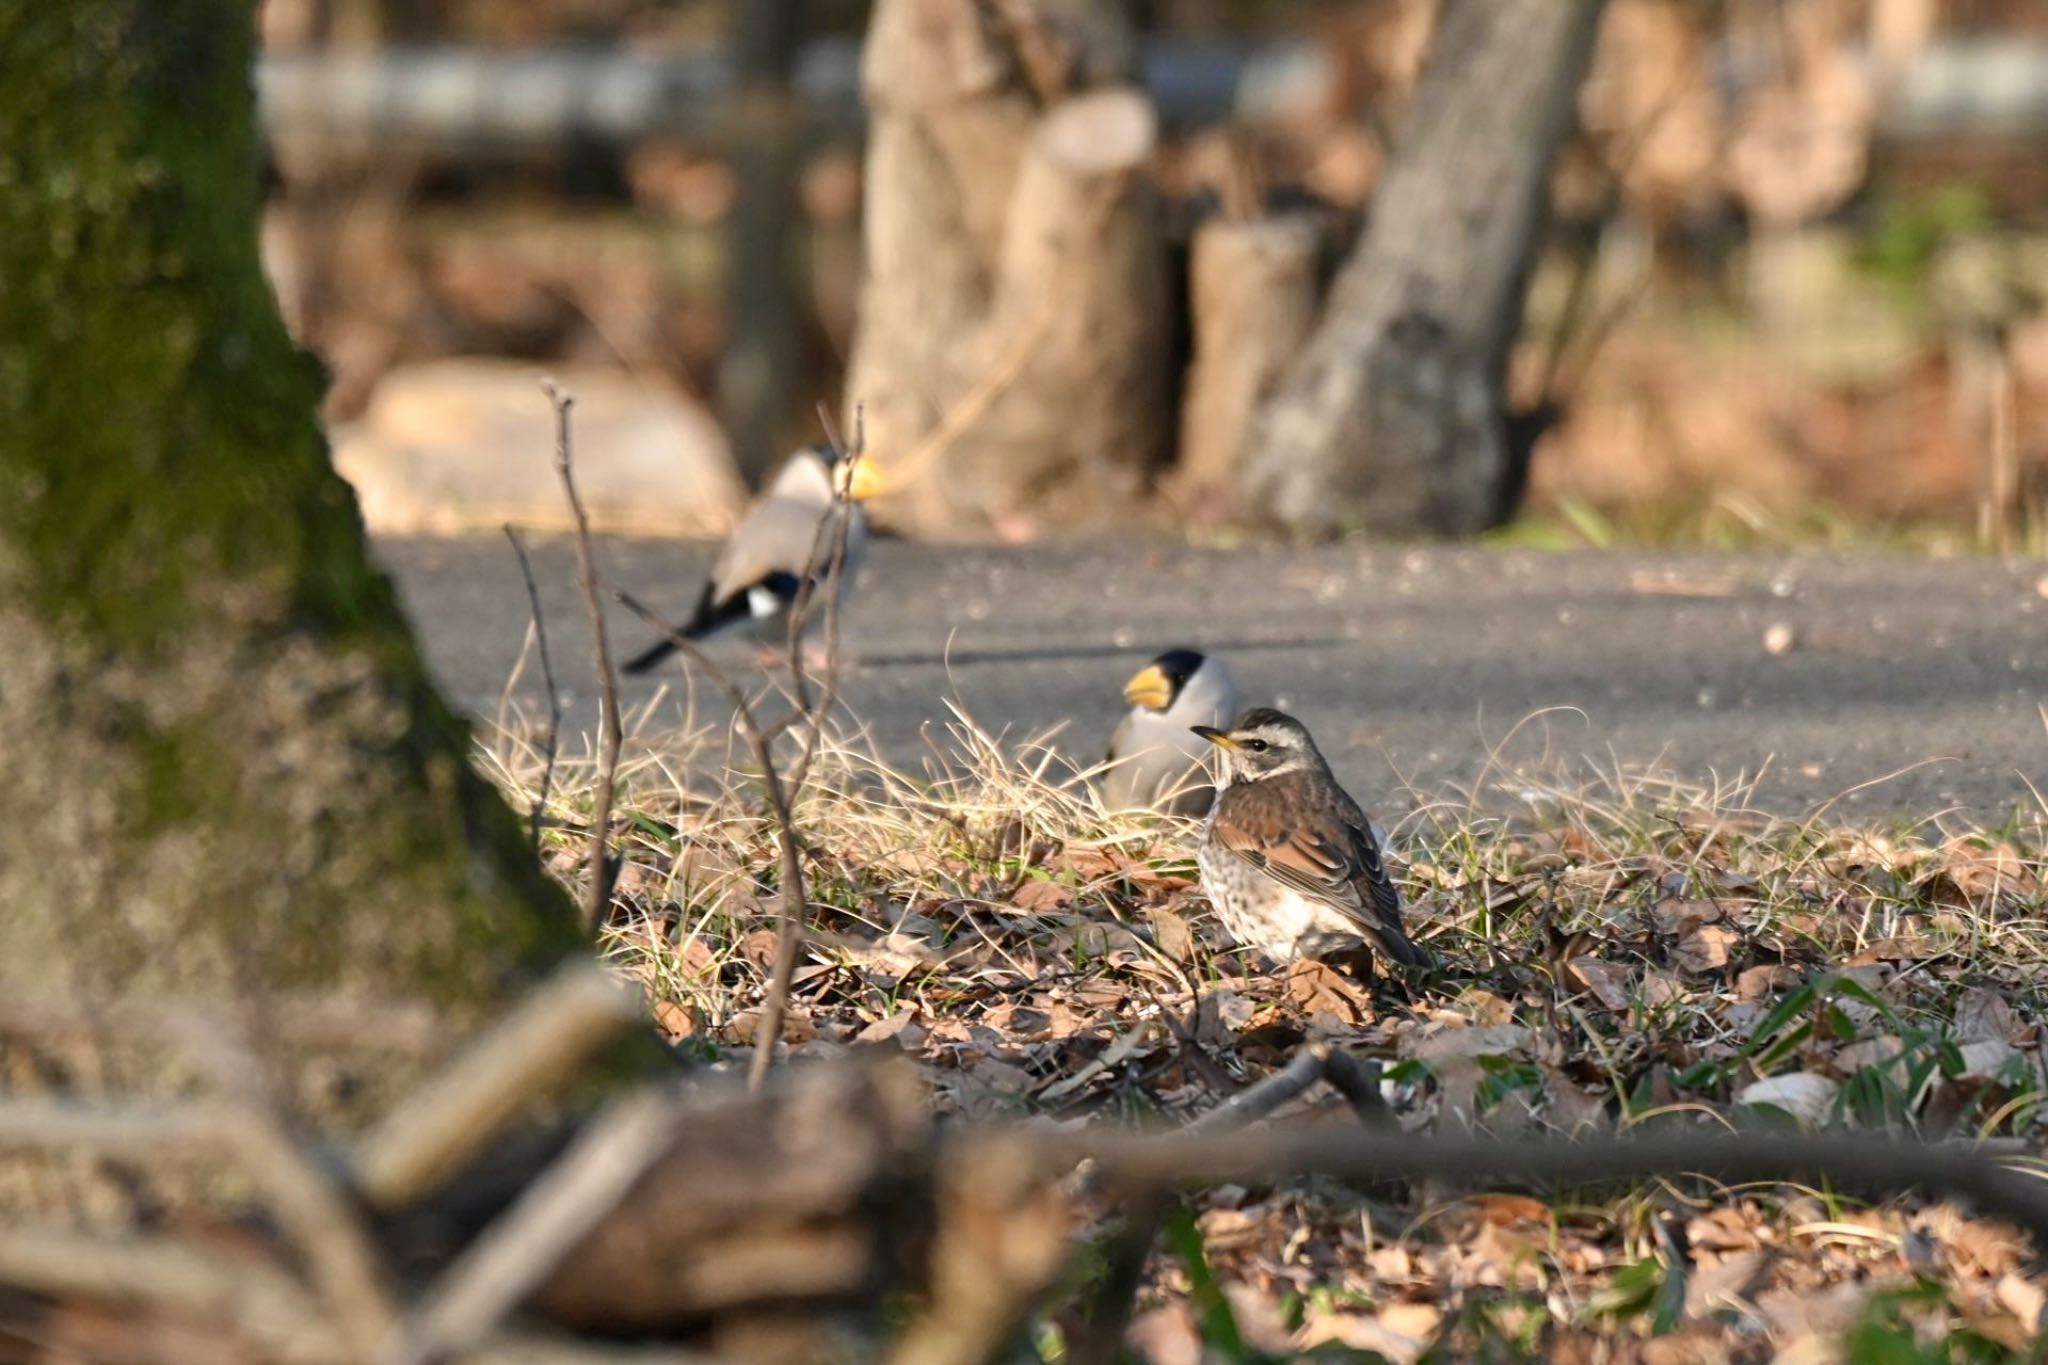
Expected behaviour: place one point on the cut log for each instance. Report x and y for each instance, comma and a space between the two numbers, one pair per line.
1012, 330
1078, 312
1391, 418
1252, 288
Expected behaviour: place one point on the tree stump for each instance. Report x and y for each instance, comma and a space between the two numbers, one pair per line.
1252, 288
1013, 343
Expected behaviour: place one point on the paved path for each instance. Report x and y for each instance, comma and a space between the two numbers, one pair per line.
1407, 663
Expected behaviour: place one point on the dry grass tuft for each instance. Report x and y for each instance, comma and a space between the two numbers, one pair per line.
1622, 949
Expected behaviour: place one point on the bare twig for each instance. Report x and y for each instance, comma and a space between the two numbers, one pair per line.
516, 1253
793, 900
248, 1295
1247, 1106
448, 1118
325, 1227
611, 732
839, 525
1359, 1083
551, 740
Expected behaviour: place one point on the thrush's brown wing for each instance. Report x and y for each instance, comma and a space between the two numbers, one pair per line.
1321, 849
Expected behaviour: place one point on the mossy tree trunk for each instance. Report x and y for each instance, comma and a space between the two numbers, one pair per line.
225, 770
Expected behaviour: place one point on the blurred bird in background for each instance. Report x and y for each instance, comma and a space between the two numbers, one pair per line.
1157, 759
760, 571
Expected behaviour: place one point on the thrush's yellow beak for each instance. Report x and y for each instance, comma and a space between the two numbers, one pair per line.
1149, 687
1214, 736
864, 479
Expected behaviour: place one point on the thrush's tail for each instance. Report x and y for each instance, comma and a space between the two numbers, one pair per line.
1402, 949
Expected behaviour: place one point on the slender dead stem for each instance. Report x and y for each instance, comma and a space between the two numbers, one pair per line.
826, 564
793, 900
1309, 1065
839, 523
611, 733
551, 741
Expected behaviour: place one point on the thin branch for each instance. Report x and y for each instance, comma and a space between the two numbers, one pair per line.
793, 901
302, 1194
611, 732
1359, 1083
516, 1253
551, 741
326, 1229
451, 1116
1248, 1106
249, 1296
320, 1024
841, 525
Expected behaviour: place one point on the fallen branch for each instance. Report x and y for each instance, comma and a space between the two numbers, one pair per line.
1254, 1102
511, 1257
449, 1118
1869, 1164
611, 731
1356, 1081
1359, 1083
327, 1230
308, 1206
251, 1296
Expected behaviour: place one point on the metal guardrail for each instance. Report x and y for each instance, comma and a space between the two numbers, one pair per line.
459, 103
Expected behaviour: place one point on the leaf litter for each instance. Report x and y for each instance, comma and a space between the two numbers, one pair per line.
1626, 952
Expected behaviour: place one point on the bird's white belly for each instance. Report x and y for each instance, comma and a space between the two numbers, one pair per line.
1295, 922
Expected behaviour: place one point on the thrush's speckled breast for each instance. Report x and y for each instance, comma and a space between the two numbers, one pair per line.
1288, 859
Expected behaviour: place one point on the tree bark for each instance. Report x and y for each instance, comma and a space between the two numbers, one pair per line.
1252, 298
227, 772
1392, 417
1013, 310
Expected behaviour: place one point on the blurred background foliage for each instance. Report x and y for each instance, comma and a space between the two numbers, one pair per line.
1795, 289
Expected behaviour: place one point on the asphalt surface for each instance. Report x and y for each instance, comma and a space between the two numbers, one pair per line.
1898, 685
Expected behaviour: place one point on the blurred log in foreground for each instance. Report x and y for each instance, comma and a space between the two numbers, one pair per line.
1013, 329
781, 1226
1391, 418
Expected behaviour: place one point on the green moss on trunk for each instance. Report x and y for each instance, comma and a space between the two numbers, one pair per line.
226, 769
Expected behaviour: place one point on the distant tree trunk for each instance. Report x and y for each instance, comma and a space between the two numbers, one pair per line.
1013, 307
226, 771
758, 369
1252, 290
1391, 419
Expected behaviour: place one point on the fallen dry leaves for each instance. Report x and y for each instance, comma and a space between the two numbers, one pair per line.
1642, 958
